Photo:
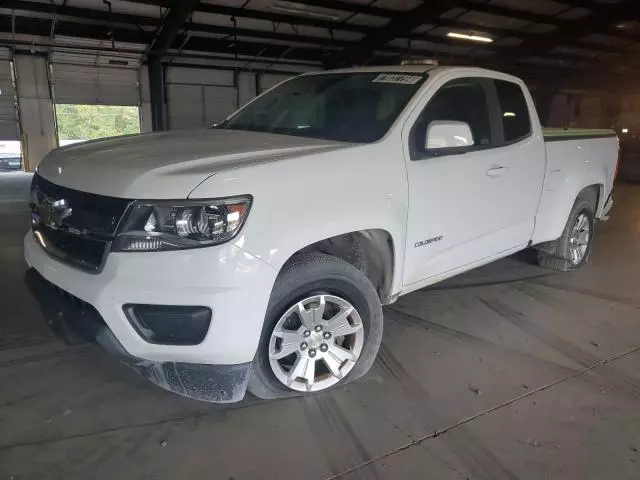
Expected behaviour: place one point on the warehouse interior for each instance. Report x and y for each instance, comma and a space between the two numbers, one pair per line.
509, 371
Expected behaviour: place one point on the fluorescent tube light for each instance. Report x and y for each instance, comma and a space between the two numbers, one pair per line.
473, 38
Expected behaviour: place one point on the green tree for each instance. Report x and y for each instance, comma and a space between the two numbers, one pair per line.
87, 122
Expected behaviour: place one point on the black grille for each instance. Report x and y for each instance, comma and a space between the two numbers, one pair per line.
82, 236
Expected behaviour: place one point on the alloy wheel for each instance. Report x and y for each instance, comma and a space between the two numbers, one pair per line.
316, 343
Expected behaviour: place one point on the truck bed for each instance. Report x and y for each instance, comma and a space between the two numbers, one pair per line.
575, 158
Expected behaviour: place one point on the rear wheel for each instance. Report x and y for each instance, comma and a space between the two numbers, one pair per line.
323, 328
571, 251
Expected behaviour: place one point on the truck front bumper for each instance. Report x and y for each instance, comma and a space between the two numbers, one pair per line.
234, 284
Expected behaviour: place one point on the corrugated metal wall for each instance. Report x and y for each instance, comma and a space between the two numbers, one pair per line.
199, 97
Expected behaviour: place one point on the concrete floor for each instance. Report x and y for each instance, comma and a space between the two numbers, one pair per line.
508, 372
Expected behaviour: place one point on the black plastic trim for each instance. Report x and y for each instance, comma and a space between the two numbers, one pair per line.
135, 313
77, 322
96, 219
593, 136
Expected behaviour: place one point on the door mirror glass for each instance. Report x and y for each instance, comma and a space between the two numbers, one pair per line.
448, 134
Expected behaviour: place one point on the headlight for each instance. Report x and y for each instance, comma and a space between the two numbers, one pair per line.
179, 225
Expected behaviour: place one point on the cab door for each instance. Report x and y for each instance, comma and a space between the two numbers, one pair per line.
462, 197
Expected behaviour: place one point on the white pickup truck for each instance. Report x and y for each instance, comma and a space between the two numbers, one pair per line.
257, 254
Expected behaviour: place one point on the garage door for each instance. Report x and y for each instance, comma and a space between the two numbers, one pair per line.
93, 85
8, 111
198, 97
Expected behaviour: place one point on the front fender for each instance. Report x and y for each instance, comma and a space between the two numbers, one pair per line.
300, 201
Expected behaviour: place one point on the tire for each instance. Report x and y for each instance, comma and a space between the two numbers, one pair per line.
557, 255
307, 276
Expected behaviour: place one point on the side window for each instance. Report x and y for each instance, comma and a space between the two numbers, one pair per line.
513, 110
461, 100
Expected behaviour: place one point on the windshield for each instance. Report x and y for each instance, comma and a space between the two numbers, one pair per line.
347, 107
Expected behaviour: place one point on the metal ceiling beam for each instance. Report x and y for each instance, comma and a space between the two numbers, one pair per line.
331, 25
628, 8
532, 17
80, 13
229, 45
479, 7
312, 56
354, 7
281, 18
172, 23
625, 9
591, 24
506, 32
231, 31
129, 30
396, 27
95, 17
40, 27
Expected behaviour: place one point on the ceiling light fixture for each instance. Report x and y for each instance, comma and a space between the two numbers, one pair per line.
305, 10
473, 38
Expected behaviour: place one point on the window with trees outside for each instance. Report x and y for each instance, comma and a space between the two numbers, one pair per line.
77, 123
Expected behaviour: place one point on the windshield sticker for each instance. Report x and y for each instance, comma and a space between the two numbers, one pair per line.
397, 78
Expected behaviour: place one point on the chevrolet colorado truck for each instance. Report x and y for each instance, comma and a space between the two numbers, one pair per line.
256, 254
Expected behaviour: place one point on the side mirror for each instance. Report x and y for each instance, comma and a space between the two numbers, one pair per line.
448, 134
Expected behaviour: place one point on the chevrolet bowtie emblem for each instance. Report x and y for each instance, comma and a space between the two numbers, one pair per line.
53, 212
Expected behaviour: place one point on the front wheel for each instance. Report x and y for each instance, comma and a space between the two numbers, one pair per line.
323, 328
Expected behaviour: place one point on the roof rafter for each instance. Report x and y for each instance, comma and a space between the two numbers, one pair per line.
476, 6
396, 27
175, 18
588, 25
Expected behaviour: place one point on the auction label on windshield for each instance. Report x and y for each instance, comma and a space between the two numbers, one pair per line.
397, 78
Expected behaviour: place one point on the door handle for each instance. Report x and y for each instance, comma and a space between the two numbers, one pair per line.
496, 171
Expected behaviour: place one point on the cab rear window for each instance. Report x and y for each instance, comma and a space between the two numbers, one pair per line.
513, 110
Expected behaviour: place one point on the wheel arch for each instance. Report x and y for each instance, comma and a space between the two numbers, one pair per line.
555, 209
371, 251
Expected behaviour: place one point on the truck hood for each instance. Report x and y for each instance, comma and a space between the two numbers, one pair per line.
169, 164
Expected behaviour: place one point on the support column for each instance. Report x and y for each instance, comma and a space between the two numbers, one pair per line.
157, 96
37, 116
